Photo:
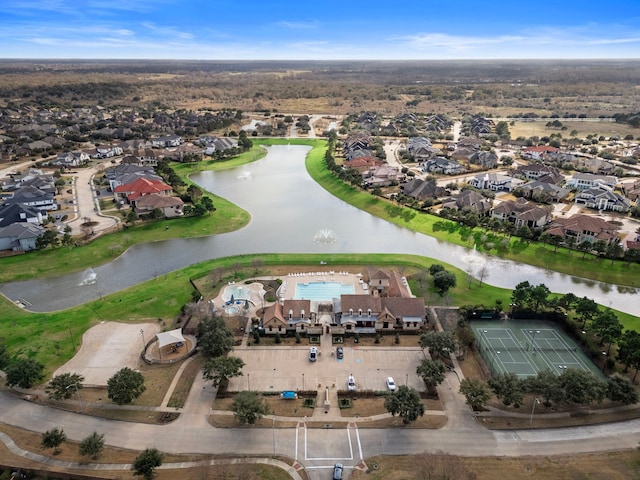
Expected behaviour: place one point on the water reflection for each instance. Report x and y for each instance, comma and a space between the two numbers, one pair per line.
290, 213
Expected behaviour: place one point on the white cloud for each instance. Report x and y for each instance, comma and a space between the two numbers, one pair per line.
297, 25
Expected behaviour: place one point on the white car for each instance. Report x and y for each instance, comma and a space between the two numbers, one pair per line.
391, 384
351, 383
313, 354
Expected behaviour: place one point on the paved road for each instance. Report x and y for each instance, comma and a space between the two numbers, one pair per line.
86, 202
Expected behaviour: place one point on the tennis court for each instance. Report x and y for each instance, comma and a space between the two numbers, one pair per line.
528, 347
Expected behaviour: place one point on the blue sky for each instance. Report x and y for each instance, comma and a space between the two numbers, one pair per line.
323, 30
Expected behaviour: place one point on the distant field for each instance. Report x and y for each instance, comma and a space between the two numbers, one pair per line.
529, 129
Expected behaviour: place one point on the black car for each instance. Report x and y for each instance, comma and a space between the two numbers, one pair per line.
339, 353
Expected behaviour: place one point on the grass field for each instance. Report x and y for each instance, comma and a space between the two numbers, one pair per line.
538, 129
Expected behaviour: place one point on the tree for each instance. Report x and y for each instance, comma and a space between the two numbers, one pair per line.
207, 203
620, 389
547, 385
476, 392
146, 463
438, 343
215, 338
92, 445
607, 326
539, 296
59, 387
582, 387
435, 268
629, 350
248, 407
24, 373
432, 373
508, 387
443, 281
125, 386
406, 403
4, 355
53, 439
586, 308
221, 369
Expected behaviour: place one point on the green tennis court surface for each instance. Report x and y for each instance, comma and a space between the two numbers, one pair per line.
527, 347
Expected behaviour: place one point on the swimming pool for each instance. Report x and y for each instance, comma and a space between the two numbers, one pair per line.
322, 290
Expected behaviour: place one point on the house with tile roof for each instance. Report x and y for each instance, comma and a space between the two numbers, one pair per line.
171, 207
521, 213
469, 200
584, 228
538, 152
139, 188
538, 191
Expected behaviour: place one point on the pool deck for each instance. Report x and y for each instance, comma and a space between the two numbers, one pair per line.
290, 282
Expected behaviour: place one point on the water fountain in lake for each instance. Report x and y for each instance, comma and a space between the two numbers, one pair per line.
244, 175
325, 237
474, 258
89, 277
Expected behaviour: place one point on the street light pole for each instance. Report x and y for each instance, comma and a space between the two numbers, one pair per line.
303, 382
144, 344
533, 409
249, 381
273, 430
77, 392
533, 334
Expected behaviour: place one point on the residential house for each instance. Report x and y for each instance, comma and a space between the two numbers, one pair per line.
584, 228
357, 142
106, 151
469, 200
631, 190
140, 188
542, 191
17, 212
170, 206
20, 237
540, 172
497, 182
363, 163
422, 189
484, 159
72, 159
421, 149
521, 213
382, 176
127, 173
598, 166
167, 141
33, 197
442, 165
582, 181
184, 152
481, 126
538, 152
601, 197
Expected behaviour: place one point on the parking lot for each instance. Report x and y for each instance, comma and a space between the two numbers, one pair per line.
276, 368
